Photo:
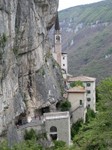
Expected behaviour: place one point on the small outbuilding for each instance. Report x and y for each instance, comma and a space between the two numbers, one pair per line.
57, 126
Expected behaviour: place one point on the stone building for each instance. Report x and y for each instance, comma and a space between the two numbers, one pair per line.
89, 84
57, 126
59, 56
77, 97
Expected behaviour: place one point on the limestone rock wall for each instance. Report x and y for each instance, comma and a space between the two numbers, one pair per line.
28, 74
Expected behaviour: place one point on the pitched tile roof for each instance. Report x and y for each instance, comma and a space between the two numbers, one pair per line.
77, 89
81, 78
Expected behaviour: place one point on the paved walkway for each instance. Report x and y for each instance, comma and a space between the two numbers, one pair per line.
33, 123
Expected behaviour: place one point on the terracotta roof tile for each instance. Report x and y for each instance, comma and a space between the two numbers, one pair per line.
77, 89
82, 78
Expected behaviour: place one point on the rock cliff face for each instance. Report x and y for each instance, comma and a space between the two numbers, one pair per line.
29, 77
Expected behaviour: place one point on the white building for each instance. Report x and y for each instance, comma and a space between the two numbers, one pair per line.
64, 62
90, 87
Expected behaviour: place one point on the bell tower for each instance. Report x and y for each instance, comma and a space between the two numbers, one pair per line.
57, 41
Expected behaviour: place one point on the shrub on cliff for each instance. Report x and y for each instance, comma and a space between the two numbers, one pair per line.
29, 135
65, 105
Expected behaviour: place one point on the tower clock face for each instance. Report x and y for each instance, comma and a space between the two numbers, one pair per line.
58, 38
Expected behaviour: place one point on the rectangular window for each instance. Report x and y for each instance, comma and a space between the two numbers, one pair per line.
63, 57
88, 106
81, 102
63, 64
88, 84
88, 91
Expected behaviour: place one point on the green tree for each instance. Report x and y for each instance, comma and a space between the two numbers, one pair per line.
76, 83
76, 127
29, 135
26, 145
65, 105
90, 115
4, 145
105, 93
97, 133
59, 144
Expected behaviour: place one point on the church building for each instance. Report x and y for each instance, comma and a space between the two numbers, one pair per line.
59, 56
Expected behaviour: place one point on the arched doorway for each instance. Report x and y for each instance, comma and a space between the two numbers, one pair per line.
53, 133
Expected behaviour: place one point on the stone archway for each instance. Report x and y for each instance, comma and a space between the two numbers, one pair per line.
53, 133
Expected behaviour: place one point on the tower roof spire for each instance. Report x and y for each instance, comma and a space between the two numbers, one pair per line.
57, 26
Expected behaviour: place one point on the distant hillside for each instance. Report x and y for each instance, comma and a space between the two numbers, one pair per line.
87, 37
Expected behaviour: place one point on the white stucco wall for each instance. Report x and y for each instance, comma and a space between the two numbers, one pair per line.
91, 95
64, 62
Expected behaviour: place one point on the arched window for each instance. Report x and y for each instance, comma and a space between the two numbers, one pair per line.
53, 129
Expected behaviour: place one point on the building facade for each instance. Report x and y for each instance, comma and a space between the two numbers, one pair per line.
90, 87
57, 126
77, 98
64, 62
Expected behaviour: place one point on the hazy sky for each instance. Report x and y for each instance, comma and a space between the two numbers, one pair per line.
70, 3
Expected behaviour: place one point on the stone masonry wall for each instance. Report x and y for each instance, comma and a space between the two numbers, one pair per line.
63, 128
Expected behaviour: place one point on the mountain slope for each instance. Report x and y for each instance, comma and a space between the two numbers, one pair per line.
86, 34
